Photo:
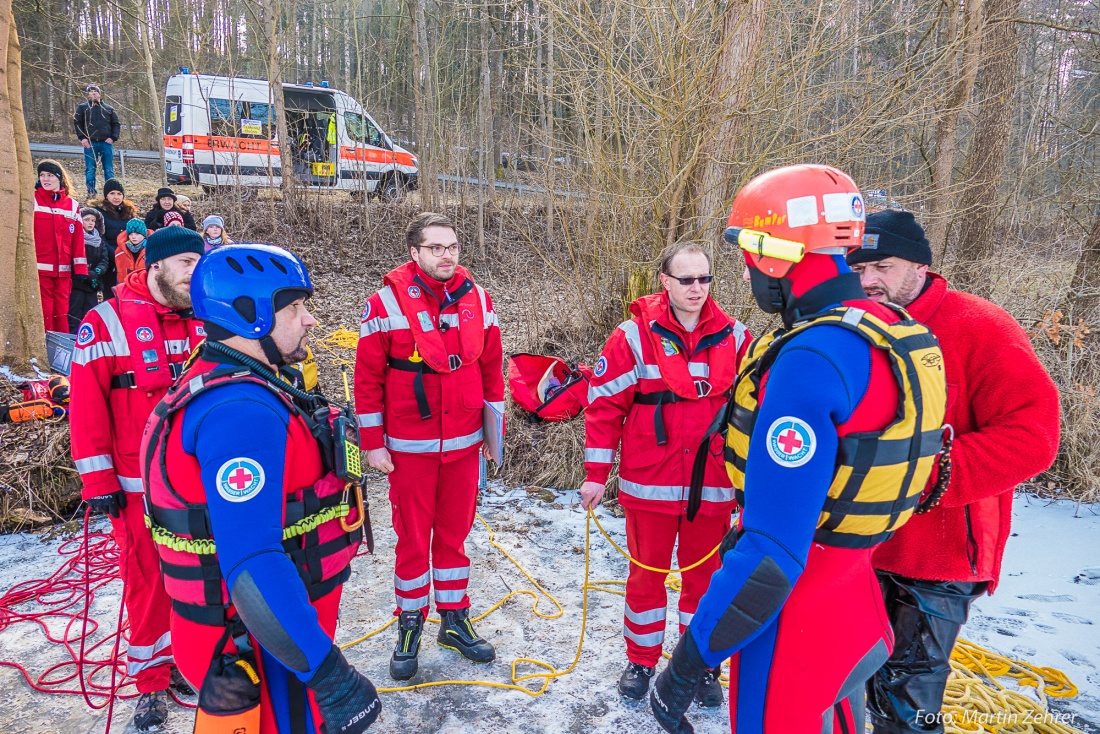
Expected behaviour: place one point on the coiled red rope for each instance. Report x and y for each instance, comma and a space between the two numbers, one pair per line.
59, 606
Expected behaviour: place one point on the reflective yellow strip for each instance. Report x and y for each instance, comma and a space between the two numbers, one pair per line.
312, 522
177, 543
204, 547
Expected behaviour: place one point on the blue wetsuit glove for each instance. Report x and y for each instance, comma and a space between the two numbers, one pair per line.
675, 688
347, 700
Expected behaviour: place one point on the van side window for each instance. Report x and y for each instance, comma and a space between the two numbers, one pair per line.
260, 121
225, 118
362, 130
173, 114
354, 124
372, 135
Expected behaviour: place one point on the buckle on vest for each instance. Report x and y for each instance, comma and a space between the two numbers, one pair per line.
702, 388
454, 362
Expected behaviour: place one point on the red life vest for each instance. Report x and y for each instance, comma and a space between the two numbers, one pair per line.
412, 300
150, 366
312, 535
547, 386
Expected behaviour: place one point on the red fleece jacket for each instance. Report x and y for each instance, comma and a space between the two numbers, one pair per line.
1005, 411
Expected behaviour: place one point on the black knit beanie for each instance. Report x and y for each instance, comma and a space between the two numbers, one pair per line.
169, 241
51, 167
113, 184
892, 233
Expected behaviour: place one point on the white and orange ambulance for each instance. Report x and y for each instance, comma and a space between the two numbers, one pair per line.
220, 131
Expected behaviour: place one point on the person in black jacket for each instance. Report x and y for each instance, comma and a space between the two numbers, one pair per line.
98, 128
88, 289
117, 210
166, 202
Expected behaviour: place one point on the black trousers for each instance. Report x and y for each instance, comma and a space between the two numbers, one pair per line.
80, 303
906, 694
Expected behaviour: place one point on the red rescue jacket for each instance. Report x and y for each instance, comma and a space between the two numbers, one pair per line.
425, 365
58, 234
129, 350
1005, 411
655, 390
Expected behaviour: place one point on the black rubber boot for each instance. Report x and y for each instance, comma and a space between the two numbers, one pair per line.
403, 663
151, 712
634, 682
179, 685
456, 633
709, 695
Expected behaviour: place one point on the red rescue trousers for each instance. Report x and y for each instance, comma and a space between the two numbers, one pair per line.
55, 302
650, 537
149, 657
433, 507
196, 651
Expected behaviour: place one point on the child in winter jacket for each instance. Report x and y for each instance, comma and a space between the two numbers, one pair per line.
58, 243
130, 255
117, 210
88, 289
166, 202
213, 232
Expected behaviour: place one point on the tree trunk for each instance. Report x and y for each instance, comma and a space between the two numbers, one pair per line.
424, 101
986, 157
22, 333
155, 110
275, 86
735, 71
485, 174
966, 56
1083, 303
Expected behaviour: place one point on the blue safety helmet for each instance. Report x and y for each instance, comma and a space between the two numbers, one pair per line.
236, 287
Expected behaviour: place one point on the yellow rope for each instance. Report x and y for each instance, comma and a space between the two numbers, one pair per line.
339, 340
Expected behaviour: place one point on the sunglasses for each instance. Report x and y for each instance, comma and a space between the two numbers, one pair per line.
702, 280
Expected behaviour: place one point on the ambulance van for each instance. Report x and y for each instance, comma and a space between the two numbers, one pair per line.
220, 131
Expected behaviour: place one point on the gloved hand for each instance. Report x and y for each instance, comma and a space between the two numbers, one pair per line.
347, 700
675, 688
729, 541
108, 504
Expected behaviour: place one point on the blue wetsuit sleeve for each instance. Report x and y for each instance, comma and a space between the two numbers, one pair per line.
238, 433
814, 385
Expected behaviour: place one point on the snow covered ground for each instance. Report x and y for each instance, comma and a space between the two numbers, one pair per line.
1047, 612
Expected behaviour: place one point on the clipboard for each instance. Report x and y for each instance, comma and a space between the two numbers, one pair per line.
493, 430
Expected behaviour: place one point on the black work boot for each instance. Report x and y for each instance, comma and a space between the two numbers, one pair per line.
179, 684
709, 694
634, 683
456, 633
151, 712
403, 664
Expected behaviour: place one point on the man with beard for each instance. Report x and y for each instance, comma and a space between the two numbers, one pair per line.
1004, 410
238, 458
429, 359
129, 350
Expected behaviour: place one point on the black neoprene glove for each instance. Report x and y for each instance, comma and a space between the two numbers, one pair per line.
675, 688
347, 700
108, 504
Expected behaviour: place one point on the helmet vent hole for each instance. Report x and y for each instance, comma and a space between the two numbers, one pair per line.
278, 266
255, 263
235, 265
246, 307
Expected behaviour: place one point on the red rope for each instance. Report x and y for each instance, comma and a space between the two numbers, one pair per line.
61, 603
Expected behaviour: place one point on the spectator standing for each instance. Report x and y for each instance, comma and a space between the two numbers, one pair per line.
213, 232
58, 243
88, 289
1004, 410
117, 210
166, 202
98, 128
130, 255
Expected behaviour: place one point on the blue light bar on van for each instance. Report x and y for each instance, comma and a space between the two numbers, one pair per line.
324, 84
309, 84
184, 70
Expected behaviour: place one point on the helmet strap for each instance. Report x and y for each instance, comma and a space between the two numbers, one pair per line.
271, 351
771, 294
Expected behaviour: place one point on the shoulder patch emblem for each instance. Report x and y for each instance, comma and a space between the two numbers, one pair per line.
414, 291
366, 312
84, 335
144, 334
601, 367
199, 330
240, 479
791, 442
670, 348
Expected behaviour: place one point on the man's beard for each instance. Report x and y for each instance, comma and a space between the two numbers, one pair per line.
178, 296
299, 354
437, 274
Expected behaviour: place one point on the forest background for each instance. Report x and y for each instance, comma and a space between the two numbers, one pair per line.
641, 119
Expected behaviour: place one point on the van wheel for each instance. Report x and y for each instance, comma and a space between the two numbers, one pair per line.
392, 189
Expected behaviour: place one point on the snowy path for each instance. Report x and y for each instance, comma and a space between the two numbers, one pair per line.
1040, 614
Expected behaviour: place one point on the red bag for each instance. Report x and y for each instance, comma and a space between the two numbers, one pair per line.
548, 386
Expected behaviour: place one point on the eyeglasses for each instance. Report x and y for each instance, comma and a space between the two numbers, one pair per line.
702, 280
438, 250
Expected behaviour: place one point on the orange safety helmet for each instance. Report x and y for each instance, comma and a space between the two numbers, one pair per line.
817, 207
